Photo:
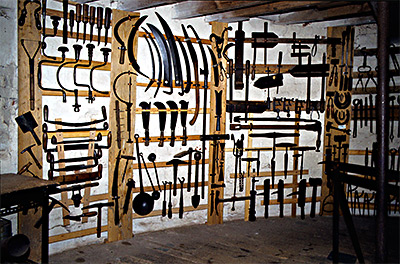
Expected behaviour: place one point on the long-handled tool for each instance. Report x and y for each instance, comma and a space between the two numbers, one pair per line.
92, 21
170, 201
302, 149
27, 122
280, 194
301, 200
164, 204
196, 196
146, 120
285, 145
181, 155
184, 108
107, 23
99, 23
238, 153
155, 194
31, 59
175, 163
152, 158
78, 18
29, 150
85, 20
174, 118
99, 206
181, 181
130, 184
314, 182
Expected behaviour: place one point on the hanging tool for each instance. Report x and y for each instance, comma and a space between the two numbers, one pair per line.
181, 155
153, 69
247, 87
392, 99
195, 63
175, 163
152, 158
128, 103
71, 22
162, 114
99, 23
214, 67
25, 168
239, 48
221, 162
314, 182
174, 118
114, 189
78, 18
27, 122
155, 194
159, 79
301, 200
196, 197
29, 150
24, 12
184, 111
92, 21
78, 218
170, 201
118, 38
280, 194
302, 149
270, 81
31, 60
266, 197
99, 206
146, 120
356, 110
65, 22
118, 123
218, 109
164, 204
106, 52
130, 184
286, 145
329, 126
85, 20
230, 75
107, 24
181, 181
237, 153
90, 48
187, 67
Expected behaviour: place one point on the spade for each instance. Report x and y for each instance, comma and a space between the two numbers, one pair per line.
28, 123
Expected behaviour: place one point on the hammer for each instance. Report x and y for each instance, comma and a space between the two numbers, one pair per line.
314, 182
29, 150
329, 127
175, 163
99, 206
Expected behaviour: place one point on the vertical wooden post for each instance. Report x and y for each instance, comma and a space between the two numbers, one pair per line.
124, 230
335, 32
248, 179
217, 217
295, 171
31, 37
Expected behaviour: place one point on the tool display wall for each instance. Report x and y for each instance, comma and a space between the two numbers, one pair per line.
186, 160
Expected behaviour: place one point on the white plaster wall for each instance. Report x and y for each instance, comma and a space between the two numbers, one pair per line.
293, 88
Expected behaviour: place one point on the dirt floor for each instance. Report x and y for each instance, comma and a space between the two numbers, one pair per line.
273, 240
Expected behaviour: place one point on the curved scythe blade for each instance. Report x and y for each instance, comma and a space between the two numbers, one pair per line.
174, 51
162, 44
153, 71
187, 64
131, 39
159, 80
214, 67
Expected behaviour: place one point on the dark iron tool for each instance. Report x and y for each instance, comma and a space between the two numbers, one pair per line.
170, 201
302, 149
81, 146
301, 200
280, 194
196, 197
174, 118
131, 54
78, 218
286, 145
127, 158
184, 111
24, 13
195, 63
25, 168
130, 184
181, 181
342, 100
219, 41
215, 146
392, 99
90, 48
187, 67
99, 23
114, 189
166, 57
329, 126
181, 155
99, 206
106, 52
175, 163
29, 150
356, 111
155, 194
65, 22
85, 20
74, 124
92, 21
270, 81
218, 109
143, 203
153, 68
247, 87
146, 120
27, 122
239, 48
229, 76
128, 103
152, 158
31, 59
63, 50
221, 176
160, 65
107, 23
117, 37
162, 115
237, 153
164, 204
214, 67
78, 18
266, 197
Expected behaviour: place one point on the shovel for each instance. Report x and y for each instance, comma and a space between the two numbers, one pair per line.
28, 123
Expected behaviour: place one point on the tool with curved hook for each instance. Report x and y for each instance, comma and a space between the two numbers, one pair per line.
131, 39
153, 71
24, 12
31, 60
174, 51
128, 103
63, 50
204, 72
122, 48
166, 56
219, 41
106, 52
90, 48
342, 100
73, 124
214, 66
159, 80
195, 62
77, 49
187, 67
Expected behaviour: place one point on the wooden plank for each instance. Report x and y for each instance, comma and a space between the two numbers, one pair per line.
291, 201
373, 90
178, 186
156, 111
248, 173
174, 211
321, 14
163, 164
106, 67
217, 216
86, 192
295, 166
167, 139
31, 37
277, 173
143, 4
124, 229
76, 234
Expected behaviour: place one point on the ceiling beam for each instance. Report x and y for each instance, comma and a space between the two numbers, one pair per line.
134, 5
318, 15
263, 9
190, 9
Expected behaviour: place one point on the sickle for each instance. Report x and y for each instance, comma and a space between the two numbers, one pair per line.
174, 51
159, 80
131, 38
166, 57
174, 117
187, 64
153, 71
214, 66
184, 107
146, 120
162, 114
193, 56
118, 38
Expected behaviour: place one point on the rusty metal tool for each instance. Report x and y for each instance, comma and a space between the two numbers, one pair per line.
99, 206
174, 118
175, 163
99, 23
85, 20
78, 18
107, 23
181, 181
31, 59
162, 115
27, 122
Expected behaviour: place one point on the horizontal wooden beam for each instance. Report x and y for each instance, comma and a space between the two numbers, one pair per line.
143, 4
277, 173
